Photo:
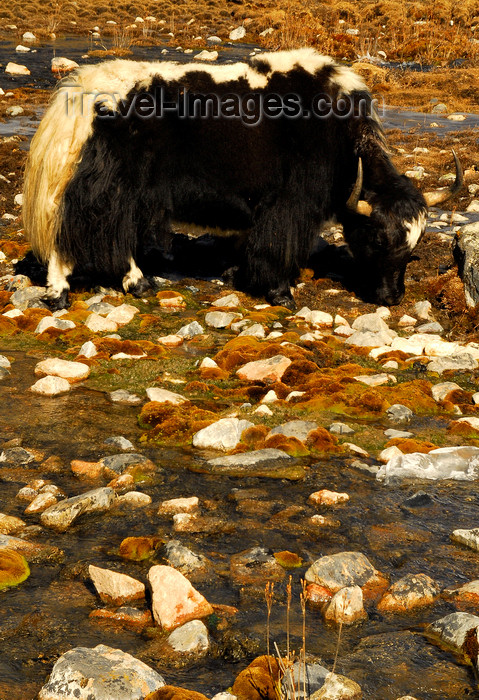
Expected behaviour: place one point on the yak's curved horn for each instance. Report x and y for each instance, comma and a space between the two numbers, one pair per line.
359, 205
439, 196
353, 200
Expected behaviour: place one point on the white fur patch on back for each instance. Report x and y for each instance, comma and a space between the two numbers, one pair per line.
283, 61
415, 229
347, 80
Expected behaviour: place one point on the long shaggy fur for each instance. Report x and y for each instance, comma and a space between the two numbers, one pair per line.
99, 191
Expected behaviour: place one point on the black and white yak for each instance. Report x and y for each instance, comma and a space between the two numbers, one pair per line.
106, 176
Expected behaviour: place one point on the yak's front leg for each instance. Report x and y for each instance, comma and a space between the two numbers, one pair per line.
277, 247
134, 282
57, 283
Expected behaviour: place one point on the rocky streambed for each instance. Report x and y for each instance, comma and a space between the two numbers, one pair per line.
165, 460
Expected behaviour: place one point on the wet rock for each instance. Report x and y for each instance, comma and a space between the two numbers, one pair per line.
100, 673
418, 500
13, 568
397, 413
16, 456
328, 498
138, 548
174, 600
165, 396
191, 638
268, 462
258, 680
61, 65
337, 571
122, 314
467, 594
52, 322
62, 515
224, 435
16, 69
206, 55
183, 559
460, 463
221, 319
346, 606
115, 588
51, 386
117, 464
72, 371
126, 616
461, 361
40, 503
171, 341
411, 592
271, 369
191, 330
299, 429
255, 566
134, 499
468, 537
119, 442
32, 551
453, 629
123, 396
341, 429
179, 505
10, 525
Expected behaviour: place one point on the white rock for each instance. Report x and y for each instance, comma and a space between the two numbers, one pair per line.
122, 314
115, 588
468, 537
174, 600
256, 330
270, 397
237, 33
22, 49
460, 463
52, 322
473, 206
207, 55
319, 319
164, 396
344, 331
16, 69
29, 36
391, 364
224, 435
13, 313
191, 330
135, 499
73, 371
88, 349
229, 300
179, 505
221, 319
263, 410
453, 628
407, 321
101, 672
376, 379
4, 362
440, 391
98, 324
208, 363
294, 395
60, 64
64, 513
51, 386
370, 339
191, 637
422, 309
346, 606
460, 361
388, 453
456, 117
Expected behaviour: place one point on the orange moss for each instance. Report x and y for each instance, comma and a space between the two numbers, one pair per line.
173, 422
4, 299
213, 373
8, 325
171, 692
290, 445
255, 435
197, 387
148, 321
13, 249
298, 371
237, 352
460, 396
31, 318
288, 560
321, 440
409, 445
464, 429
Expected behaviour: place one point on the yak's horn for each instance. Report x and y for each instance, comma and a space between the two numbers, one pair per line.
354, 203
440, 196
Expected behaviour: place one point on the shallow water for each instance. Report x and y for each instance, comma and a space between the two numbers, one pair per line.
48, 614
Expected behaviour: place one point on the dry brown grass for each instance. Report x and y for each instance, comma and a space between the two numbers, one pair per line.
429, 33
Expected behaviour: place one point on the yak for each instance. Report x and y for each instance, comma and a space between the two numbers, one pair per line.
273, 148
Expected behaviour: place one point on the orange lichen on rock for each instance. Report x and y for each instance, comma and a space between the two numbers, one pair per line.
410, 445
4, 299
464, 429
290, 445
288, 560
258, 680
31, 318
170, 299
255, 436
213, 373
237, 352
8, 326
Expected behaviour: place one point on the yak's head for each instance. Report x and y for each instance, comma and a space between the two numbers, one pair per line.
382, 235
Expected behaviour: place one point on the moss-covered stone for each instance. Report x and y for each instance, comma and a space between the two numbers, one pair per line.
13, 568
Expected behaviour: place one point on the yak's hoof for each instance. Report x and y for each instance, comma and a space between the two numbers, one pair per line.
57, 303
140, 287
281, 298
